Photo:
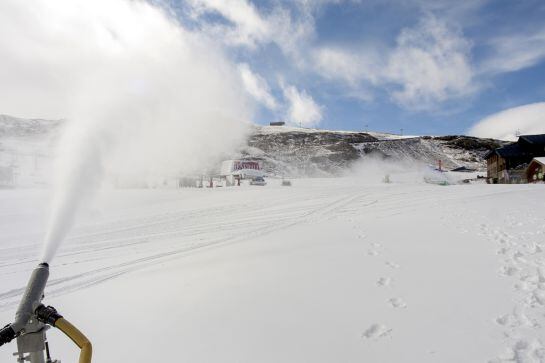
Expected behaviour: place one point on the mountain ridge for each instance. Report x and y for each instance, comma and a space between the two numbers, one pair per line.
314, 152
26, 145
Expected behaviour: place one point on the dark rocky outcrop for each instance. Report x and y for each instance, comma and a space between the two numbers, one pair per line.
470, 142
320, 153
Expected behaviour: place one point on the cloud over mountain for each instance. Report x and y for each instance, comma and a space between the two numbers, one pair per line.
507, 124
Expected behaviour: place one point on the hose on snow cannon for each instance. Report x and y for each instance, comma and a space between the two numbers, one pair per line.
32, 320
7, 334
49, 315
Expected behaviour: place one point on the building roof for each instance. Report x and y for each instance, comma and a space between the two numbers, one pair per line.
509, 151
489, 154
521, 148
540, 160
534, 139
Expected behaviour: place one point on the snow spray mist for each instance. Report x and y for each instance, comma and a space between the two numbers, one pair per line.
143, 96
80, 172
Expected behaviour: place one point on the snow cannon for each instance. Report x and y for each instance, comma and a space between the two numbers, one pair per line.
33, 319
32, 297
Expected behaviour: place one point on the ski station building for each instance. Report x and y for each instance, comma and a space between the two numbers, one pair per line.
510, 164
235, 170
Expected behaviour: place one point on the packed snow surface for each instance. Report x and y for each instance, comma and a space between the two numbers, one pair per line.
328, 270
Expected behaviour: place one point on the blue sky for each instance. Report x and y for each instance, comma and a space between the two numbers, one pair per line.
424, 66
427, 67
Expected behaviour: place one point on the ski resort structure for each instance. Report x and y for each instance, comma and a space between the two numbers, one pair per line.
509, 164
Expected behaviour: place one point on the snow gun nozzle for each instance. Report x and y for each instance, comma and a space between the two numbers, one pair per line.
30, 301
32, 297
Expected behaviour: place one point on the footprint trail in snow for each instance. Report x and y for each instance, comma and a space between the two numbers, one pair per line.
523, 262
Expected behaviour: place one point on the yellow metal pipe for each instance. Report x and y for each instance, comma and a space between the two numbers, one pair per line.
77, 337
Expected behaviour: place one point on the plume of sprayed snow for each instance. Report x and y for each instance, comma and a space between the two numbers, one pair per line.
143, 95
80, 171
376, 169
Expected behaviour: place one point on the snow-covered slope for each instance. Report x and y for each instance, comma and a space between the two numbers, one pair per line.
304, 152
15, 126
311, 152
328, 270
26, 150
27, 146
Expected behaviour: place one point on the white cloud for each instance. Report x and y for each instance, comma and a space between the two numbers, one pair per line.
515, 52
430, 64
351, 67
257, 86
505, 125
302, 110
315, 6
247, 27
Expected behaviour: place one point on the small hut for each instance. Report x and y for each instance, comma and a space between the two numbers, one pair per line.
536, 170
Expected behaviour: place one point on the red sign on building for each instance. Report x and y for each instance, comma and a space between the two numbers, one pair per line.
242, 165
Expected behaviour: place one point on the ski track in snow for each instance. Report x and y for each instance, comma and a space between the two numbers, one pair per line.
134, 240
199, 230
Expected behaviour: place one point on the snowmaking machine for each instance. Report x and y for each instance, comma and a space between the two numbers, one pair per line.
33, 319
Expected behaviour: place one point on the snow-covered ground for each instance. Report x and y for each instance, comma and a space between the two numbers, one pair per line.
283, 129
328, 270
